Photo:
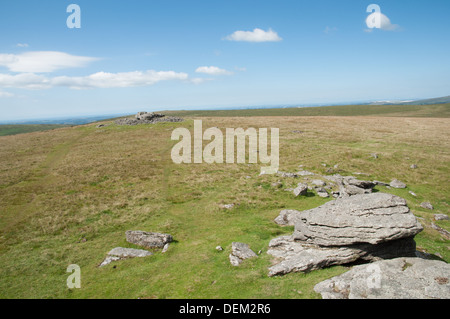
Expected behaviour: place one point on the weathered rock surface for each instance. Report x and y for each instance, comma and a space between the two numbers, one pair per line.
361, 227
147, 118
305, 173
300, 190
400, 278
296, 256
286, 217
240, 252
427, 205
441, 217
322, 192
370, 218
148, 240
397, 184
119, 253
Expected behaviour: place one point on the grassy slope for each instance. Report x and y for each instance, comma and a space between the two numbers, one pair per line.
69, 195
438, 110
6, 130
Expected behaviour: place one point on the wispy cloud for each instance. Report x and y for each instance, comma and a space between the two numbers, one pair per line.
257, 35
96, 80
213, 70
330, 30
42, 61
378, 20
5, 94
22, 45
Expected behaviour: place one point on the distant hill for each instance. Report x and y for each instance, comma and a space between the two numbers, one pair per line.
6, 130
438, 100
385, 110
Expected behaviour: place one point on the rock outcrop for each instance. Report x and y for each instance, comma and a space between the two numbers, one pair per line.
147, 118
363, 227
148, 240
400, 278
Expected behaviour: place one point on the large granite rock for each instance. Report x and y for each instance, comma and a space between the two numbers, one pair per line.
370, 218
363, 227
294, 256
148, 240
400, 278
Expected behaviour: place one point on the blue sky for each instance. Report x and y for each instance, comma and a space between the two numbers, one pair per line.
136, 55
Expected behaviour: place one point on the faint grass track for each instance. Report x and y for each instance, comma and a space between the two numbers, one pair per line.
35, 183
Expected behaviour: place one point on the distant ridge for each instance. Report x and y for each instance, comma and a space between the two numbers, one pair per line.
438, 100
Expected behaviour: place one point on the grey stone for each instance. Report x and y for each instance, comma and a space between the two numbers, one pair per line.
119, 253
227, 206
286, 174
305, 173
286, 217
397, 184
441, 230
427, 205
400, 278
148, 240
219, 248
350, 180
322, 192
370, 218
413, 166
300, 190
294, 256
147, 118
240, 252
413, 194
357, 228
165, 248
380, 183
318, 182
441, 217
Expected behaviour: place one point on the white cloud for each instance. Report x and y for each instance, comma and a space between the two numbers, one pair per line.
5, 94
212, 70
42, 61
96, 80
257, 35
330, 30
378, 20
22, 45
24, 81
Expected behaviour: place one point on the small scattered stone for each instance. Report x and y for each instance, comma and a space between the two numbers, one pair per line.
300, 190
374, 155
119, 253
441, 217
219, 248
322, 192
397, 184
318, 182
380, 183
427, 205
305, 173
227, 206
240, 252
166, 248
413, 166
413, 194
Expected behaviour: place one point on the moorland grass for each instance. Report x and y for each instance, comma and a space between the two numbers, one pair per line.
68, 196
